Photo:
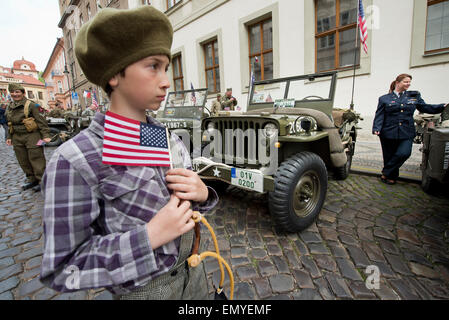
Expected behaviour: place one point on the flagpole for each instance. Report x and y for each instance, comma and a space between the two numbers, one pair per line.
169, 148
355, 55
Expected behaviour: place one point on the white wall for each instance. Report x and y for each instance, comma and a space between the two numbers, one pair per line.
390, 51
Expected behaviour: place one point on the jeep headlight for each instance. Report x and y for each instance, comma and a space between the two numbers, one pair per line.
305, 124
210, 127
270, 130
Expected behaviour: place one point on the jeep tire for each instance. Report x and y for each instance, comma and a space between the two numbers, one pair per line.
300, 187
56, 141
428, 184
341, 173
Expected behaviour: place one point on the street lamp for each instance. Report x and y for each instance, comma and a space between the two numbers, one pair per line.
66, 71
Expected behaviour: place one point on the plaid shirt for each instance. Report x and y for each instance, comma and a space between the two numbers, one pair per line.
95, 217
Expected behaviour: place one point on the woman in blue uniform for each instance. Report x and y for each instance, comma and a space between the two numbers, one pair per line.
395, 126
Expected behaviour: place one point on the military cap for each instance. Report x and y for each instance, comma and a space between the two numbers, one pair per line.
229, 89
116, 38
15, 86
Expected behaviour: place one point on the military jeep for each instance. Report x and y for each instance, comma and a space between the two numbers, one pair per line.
433, 133
183, 113
65, 125
284, 145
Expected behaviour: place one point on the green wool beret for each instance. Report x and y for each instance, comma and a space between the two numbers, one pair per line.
116, 38
15, 86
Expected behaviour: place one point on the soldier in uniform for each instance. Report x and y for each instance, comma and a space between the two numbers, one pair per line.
228, 100
29, 155
216, 105
394, 124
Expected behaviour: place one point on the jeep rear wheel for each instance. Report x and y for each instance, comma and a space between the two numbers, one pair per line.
299, 191
342, 173
428, 184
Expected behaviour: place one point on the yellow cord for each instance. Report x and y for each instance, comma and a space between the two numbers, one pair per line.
195, 260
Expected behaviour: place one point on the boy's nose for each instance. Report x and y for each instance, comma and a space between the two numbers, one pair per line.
165, 83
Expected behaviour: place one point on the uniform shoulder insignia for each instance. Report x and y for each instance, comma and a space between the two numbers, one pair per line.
414, 94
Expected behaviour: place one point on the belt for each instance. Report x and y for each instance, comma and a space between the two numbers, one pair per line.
19, 129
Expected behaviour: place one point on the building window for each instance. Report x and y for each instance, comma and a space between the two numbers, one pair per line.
212, 66
260, 37
172, 3
437, 31
89, 12
30, 95
335, 35
178, 77
60, 86
146, 2
40, 95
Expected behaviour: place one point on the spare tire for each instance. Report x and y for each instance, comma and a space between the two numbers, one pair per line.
56, 141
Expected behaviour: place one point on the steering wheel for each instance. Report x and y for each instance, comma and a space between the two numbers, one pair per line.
208, 111
307, 98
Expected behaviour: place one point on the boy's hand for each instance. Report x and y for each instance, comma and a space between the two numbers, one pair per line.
170, 222
187, 185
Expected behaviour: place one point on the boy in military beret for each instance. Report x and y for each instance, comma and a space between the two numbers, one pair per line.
125, 228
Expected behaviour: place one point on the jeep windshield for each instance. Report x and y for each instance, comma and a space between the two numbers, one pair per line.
189, 104
315, 91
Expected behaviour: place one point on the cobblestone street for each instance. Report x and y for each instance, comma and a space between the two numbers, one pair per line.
399, 229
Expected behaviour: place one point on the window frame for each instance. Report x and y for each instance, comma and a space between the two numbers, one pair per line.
214, 67
178, 59
431, 3
175, 2
336, 30
263, 51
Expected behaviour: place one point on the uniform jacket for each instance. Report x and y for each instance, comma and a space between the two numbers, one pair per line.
95, 216
16, 114
216, 107
227, 103
394, 116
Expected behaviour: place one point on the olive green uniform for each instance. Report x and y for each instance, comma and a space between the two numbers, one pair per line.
227, 103
30, 156
216, 107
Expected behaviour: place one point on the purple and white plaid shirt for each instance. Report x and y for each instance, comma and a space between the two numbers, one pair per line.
95, 217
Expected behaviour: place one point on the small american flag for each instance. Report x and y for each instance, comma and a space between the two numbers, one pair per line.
363, 27
40, 143
129, 142
94, 100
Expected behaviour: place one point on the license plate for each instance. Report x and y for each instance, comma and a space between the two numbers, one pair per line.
247, 179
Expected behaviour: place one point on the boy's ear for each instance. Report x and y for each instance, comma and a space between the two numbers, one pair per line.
114, 81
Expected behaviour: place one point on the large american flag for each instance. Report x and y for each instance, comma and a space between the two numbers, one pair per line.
363, 27
129, 142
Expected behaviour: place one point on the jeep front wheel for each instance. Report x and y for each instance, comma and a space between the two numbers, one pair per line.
299, 192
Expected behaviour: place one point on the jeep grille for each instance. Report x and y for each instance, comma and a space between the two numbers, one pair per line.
232, 156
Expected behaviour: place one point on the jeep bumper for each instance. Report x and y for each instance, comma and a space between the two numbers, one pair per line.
248, 179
